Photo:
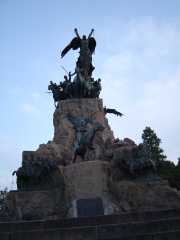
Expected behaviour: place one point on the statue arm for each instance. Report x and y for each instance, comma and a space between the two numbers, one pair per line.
76, 32
92, 31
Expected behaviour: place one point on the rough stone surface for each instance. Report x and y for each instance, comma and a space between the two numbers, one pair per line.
87, 180
138, 196
96, 175
33, 205
90, 180
130, 161
61, 147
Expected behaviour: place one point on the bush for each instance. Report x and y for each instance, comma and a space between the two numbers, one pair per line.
3, 195
170, 172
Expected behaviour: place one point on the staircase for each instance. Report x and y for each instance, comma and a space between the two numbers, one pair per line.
150, 225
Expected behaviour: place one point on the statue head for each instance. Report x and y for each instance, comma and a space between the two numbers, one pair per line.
84, 37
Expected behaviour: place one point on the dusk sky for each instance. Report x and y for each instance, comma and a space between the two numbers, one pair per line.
137, 57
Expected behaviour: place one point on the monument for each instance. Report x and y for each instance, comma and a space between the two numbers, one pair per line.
84, 171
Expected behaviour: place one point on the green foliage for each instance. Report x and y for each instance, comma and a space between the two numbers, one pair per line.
152, 143
3, 195
167, 170
178, 161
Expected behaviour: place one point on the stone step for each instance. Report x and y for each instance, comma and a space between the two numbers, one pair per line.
169, 235
125, 231
90, 221
86, 233
77, 233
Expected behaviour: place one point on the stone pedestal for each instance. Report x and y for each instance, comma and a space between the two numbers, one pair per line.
87, 180
93, 178
130, 196
32, 205
91, 108
61, 147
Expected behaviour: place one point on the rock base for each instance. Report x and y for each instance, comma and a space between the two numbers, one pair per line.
129, 196
33, 205
88, 181
62, 147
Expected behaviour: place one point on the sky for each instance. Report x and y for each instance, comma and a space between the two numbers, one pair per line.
137, 57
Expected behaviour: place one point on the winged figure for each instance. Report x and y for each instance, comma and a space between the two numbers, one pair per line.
77, 42
87, 47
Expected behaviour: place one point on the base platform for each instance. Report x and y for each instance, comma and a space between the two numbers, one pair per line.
154, 225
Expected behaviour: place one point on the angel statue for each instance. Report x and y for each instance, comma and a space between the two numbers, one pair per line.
84, 67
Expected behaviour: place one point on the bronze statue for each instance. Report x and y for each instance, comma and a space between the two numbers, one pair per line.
56, 91
87, 46
85, 130
82, 85
35, 174
113, 111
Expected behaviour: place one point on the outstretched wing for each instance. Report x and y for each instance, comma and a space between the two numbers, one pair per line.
92, 44
74, 44
113, 111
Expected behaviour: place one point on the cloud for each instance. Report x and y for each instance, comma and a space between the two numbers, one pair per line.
36, 104
30, 109
142, 78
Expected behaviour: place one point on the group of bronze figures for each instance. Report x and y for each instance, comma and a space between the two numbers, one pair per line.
75, 89
82, 85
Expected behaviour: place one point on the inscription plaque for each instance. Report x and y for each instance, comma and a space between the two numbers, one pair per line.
90, 207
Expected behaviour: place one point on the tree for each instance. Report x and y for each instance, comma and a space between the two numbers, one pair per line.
3, 195
169, 171
178, 161
6, 213
152, 144
165, 169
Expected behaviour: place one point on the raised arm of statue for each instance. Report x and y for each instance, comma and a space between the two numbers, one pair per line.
92, 31
76, 32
